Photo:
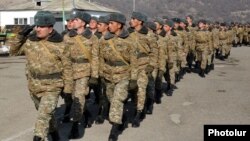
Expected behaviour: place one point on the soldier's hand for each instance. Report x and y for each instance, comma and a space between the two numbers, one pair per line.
132, 85
149, 69
93, 81
26, 30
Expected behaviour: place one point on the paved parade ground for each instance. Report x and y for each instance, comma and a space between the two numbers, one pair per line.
220, 98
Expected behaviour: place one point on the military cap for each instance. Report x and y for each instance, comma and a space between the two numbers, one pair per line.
103, 19
165, 17
176, 20
223, 24
117, 17
139, 16
202, 21
169, 23
94, 18
183, 21
44, 18
81, 15
67, 17
150, 25
190, 16
159, 20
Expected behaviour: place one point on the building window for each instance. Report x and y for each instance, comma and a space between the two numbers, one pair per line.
20, 21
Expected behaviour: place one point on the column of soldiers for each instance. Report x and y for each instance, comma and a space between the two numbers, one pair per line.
117, 62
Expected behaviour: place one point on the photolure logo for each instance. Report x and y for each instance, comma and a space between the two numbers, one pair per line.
226, 132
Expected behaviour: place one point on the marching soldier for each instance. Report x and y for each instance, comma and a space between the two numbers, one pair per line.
147, 61
172, 53
103, 104
48, 70
84, 52
118, 66
202, 44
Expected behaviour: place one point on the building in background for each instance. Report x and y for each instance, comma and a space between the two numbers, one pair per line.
23, 14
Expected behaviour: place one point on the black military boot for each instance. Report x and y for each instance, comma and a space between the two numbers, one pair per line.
36, 138
150, 106
222, 58
171, 88
114, 133
74, 133
66, 118
212, 66
55, 136
158, 94
103, 114
207, 70
136, 121
202, 73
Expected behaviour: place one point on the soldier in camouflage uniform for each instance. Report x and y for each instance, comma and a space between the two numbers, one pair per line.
202, 40
84, 51
48, 70
103, 104
69, 24
240, 34
191, 54
147, 60
223, 37
161, 33
118, 66
152, 88
171, 63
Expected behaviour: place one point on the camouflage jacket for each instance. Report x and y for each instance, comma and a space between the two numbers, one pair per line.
202, 40
85, 63
48, 67
118, 58
144, 48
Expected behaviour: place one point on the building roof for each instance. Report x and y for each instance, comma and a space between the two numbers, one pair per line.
56, 5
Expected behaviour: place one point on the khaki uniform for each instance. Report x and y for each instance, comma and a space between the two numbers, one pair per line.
146, 57
85, 64
223, 37
183, 48
48, 70
210, 48
202, 40
117, 66
240, 34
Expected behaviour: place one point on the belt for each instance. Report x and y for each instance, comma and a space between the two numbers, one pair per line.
80, 60
115, 63
47, 76
141, 55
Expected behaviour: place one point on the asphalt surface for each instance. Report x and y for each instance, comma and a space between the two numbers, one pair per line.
220, 98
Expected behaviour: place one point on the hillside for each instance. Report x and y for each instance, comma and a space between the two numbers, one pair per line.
215, 10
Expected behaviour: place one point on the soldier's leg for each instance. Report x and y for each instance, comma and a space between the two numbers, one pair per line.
151, 90
46, 108
204, 55
209, 62
103, 105
81, 90
141, 97
120, 94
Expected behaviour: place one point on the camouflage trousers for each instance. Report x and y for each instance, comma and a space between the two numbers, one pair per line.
172, 72
210, 57
241, 38
202, 57
46, 105
142, 81
117, 93
80, 91
223, 49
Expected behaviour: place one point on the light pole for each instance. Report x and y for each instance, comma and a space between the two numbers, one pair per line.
133, 5
63, 15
